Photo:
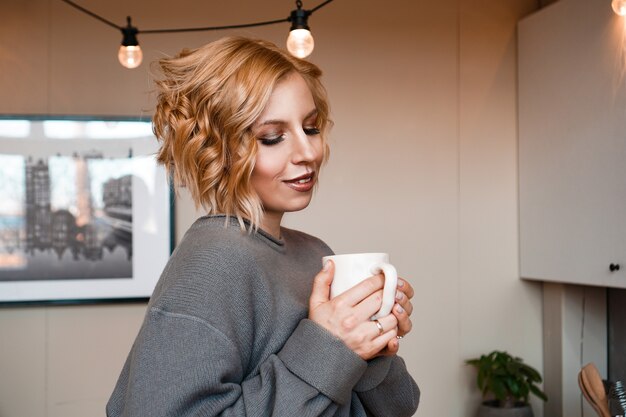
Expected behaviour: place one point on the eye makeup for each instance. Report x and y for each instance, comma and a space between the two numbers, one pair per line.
272, 140
275, 137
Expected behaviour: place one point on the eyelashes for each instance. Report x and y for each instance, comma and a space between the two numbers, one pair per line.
275, 140
271, 141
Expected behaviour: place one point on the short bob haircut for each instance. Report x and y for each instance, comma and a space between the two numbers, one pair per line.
208, 100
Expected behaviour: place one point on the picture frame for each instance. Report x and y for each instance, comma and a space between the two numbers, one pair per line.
86, 213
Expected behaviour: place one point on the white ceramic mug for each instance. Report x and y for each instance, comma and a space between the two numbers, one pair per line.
351, 269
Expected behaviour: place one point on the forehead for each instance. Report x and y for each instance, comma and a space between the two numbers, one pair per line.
290, 98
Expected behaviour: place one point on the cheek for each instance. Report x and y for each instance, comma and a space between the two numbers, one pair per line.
266, 166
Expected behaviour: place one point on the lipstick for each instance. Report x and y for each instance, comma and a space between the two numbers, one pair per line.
303, 183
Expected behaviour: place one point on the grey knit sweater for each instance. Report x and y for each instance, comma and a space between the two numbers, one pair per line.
226, 334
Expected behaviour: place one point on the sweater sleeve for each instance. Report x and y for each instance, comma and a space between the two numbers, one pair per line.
168, 375
387, 389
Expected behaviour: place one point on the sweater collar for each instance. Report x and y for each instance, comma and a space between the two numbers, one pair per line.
275, 243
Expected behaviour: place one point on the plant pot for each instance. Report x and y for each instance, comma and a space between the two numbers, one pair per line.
490, 409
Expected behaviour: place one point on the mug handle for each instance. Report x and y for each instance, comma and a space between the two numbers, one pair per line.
389, 290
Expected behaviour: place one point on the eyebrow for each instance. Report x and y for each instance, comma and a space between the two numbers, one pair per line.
282, 122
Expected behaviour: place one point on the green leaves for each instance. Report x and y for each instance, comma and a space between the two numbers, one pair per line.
507, 378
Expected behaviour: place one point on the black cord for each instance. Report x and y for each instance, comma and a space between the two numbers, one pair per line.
320, 6
245, 25
198, 29
92, 14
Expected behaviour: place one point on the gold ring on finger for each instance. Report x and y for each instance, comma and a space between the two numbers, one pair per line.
381, 330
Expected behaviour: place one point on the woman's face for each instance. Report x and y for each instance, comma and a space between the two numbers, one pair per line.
290, 148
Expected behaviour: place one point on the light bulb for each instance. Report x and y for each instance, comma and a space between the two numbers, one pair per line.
130, 56
619, 7
300, 42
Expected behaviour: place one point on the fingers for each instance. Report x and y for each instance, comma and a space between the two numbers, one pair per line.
392, 348
362, 290
393, 344
383, 325
321, 285
404, 308
369, 306
404, 321
347, 316
388, 341
406, 287
364, 310
379, 334
404, 301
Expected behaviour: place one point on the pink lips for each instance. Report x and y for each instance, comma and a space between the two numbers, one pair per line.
303, 183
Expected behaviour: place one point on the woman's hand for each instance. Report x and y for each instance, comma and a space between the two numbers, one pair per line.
347, 316
402, 310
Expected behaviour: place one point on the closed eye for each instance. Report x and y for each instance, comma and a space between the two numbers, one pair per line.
269, 141
311, 131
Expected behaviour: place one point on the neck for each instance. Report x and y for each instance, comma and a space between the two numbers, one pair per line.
271, 223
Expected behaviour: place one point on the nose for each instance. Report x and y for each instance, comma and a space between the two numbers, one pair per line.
304, 150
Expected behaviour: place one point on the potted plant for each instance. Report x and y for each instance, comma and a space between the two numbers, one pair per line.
506, 383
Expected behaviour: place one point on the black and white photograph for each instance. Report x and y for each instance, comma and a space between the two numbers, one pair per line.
65, 218
68, 191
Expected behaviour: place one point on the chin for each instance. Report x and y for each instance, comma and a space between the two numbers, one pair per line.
298, 207
293, 206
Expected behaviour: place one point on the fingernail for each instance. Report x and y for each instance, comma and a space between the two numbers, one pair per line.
400, 283
398, 295
399, 309
326, 266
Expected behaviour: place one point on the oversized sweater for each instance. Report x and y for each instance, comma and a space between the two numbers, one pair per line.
226, 333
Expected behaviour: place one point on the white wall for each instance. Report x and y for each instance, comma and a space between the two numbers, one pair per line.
572, 103
423, 166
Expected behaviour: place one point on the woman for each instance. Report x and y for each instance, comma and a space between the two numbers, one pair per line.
240, 323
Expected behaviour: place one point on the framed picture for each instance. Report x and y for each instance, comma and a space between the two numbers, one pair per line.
85, 212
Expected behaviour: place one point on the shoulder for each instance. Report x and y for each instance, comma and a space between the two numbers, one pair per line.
212, 278
214, 258
209, 230
217, 241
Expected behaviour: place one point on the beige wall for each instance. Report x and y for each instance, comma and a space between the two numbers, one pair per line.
423, 166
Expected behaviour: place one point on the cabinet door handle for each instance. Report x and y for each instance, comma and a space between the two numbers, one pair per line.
614, 267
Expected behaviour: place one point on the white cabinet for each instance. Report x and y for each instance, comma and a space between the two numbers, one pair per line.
572, 144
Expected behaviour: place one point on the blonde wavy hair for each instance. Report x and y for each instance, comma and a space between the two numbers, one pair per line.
208, 100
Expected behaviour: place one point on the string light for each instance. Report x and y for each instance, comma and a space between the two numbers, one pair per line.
299, 42
130, 55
